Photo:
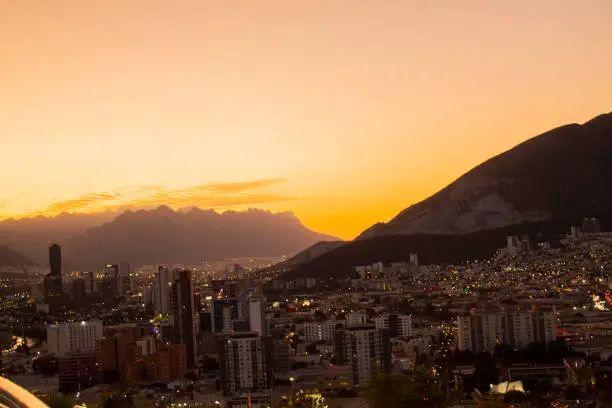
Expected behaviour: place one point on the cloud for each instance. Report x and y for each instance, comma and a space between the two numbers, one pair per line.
81, 203
239, 187
214, 195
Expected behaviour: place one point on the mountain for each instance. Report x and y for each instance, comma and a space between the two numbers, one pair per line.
538, 188
8, 257
312, 252
563, 173
166, 236
431, 248
31, 236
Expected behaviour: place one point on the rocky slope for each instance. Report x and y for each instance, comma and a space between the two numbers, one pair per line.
563, 173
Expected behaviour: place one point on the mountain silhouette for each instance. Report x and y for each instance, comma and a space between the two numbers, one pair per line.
166, 236
32, 236
538, 188
160, 235
563, 173
8, 257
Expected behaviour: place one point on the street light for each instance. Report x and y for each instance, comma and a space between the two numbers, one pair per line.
292, 386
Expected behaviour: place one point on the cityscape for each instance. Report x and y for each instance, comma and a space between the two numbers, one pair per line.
531, 322
321, 204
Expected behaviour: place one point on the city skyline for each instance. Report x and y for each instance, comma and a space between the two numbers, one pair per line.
343, 121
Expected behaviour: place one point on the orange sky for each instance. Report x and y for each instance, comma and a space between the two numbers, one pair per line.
344, 112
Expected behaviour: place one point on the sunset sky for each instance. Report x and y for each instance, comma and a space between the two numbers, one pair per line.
344, 112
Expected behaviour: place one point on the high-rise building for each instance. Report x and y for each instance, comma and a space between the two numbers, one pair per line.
356, 318
184, 315
78, 291
225, 311
246, 374
257, 314
322, 331
281, 357
77, 371
110, 277
124, 281
55, 259
167, 363
366, 349
399, 325
120, 353
163, 286
482, 330
74, 337
53, 280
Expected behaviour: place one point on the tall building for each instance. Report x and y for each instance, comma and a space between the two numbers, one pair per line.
124, 281
225, 311
55, 259
74, 337
120, 353
167, 363
163, 285
322, 331
79, 294
366, 349
482, 330
356, 318
399, 325
77, 371
110, 277
184, 315
257, 314
246, 374
53, 280
281, 357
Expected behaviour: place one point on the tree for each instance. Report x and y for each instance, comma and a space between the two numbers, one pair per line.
485, 372
59, 400
111, 376
419, 388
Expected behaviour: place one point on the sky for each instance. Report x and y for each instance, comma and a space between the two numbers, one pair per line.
342, 111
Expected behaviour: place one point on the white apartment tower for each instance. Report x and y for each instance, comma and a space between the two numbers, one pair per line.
75, 337
356, 318
366, 349
320, 331
483, 330
399, 325
245, 370
257, 314
163, 290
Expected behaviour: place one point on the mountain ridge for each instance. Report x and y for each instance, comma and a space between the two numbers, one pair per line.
534, 181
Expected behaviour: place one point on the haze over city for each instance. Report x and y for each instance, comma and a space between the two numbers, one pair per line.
342, 112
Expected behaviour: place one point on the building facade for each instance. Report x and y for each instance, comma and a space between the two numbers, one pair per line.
366, 349
246, 372
74, 337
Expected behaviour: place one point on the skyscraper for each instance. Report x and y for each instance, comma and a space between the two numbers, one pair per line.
225, 311
163, 285
109, 282
183, 314
257, 315
246, 373
53, 280
55, 259
366, 349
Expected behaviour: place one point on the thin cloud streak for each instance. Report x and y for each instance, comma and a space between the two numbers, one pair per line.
213, 195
